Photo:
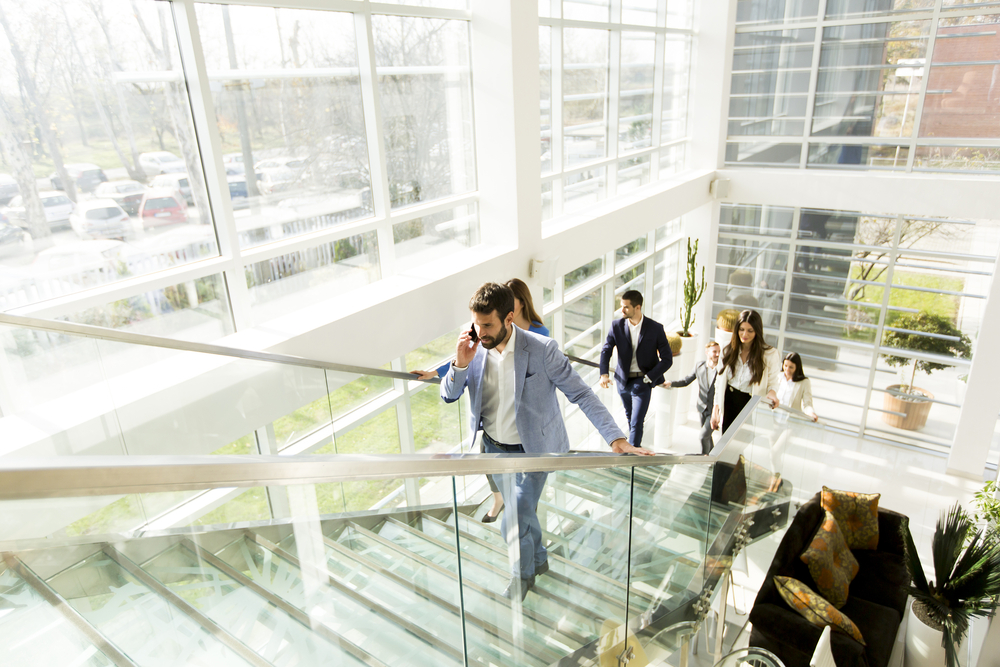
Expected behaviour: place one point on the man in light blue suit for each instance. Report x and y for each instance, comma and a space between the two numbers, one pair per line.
512, 376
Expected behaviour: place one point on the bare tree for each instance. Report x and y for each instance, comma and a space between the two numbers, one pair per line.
877, 234
12, 142
27, 83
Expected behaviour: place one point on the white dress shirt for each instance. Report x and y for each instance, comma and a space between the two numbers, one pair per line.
634, 333
498, 393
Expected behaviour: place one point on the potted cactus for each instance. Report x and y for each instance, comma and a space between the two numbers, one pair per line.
693, 290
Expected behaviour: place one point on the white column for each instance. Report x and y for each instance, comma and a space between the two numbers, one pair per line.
508, 127
978, 419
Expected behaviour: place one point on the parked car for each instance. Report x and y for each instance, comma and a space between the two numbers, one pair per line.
275, 180
56, 204
101, 219
178, 182
85, 176
8, 189
238, 192
161, 162
13, 239
290, 163
162, 207
127, 194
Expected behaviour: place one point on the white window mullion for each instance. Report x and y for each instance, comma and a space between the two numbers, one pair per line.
813, 85
613, 105
556, 141
374, 132
659, 76
210, 145
928, 59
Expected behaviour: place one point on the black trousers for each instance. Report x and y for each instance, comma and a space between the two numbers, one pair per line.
735, 401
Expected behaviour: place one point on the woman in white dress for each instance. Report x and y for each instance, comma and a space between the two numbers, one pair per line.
750, 367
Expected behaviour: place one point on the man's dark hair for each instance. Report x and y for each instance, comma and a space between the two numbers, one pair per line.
634, 297
490, 297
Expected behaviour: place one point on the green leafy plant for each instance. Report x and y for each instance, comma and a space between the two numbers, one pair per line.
692, 290
967, 574
945, 339
987, 512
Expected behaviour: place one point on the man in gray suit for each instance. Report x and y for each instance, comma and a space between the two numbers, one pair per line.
705, 373
512, 376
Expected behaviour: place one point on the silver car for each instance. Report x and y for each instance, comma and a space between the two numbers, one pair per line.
101, 219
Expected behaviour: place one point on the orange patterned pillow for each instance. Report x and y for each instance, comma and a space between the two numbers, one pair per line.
815, 609
857, 515
831, 563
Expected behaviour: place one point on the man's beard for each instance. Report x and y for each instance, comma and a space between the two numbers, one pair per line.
501, 337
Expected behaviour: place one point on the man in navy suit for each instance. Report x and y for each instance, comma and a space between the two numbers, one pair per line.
643, 357
512, 376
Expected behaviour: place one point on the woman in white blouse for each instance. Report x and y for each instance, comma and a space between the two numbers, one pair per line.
795, 392
750, 367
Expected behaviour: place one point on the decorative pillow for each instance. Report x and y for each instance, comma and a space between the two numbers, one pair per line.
856, 514
815, 609
831, 563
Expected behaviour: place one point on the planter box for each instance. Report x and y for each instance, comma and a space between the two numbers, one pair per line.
913, 408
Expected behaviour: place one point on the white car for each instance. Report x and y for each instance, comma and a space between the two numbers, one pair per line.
57, 205
179, 183
161, 162
101, 219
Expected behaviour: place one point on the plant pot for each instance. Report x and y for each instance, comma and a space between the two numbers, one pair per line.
912, 408
923, 642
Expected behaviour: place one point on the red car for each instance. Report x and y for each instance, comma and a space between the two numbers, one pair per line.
162, 207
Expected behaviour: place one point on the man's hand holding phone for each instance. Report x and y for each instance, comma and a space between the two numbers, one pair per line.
468, 343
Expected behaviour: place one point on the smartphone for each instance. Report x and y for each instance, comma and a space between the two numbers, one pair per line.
472, 333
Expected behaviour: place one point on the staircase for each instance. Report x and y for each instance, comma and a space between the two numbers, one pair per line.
411, 587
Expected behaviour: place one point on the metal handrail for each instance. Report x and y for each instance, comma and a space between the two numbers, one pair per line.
117, 336
74, 476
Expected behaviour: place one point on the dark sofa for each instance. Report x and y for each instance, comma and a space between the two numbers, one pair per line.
876, 601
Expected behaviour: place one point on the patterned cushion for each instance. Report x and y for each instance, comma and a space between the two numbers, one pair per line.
831, 563
857, 516
815, 609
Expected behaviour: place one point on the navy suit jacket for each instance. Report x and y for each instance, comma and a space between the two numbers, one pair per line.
653, 354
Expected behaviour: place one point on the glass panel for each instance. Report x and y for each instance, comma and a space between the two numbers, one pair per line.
757, 11
587, 10
767, 67
582, 274
635, 104
762, 154
582, 326
671, 161
585, 93
927, 414
443, 4
664, 232
633, 173
676, 77
763, 220
195, 310
639, 12
85, 143
423, 64
633, 279
869, 79
964, 158
545, 95
547, 201
584, 189
857, 156
961, 97
294, 144
630, 249
303, 278
864, 8
431, 355
680, 14
430, 238
751, 274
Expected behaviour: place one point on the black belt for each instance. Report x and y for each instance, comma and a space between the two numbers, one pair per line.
632, 376
500, 445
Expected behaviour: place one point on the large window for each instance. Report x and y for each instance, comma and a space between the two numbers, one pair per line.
614, 80
885, 85
195, 178
883, 308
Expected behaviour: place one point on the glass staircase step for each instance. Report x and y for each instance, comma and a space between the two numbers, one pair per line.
378, 632
139, 620
278, 636
34, 632
488, 577
486, 611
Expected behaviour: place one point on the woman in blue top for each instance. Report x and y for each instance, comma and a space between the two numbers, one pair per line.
526, 318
